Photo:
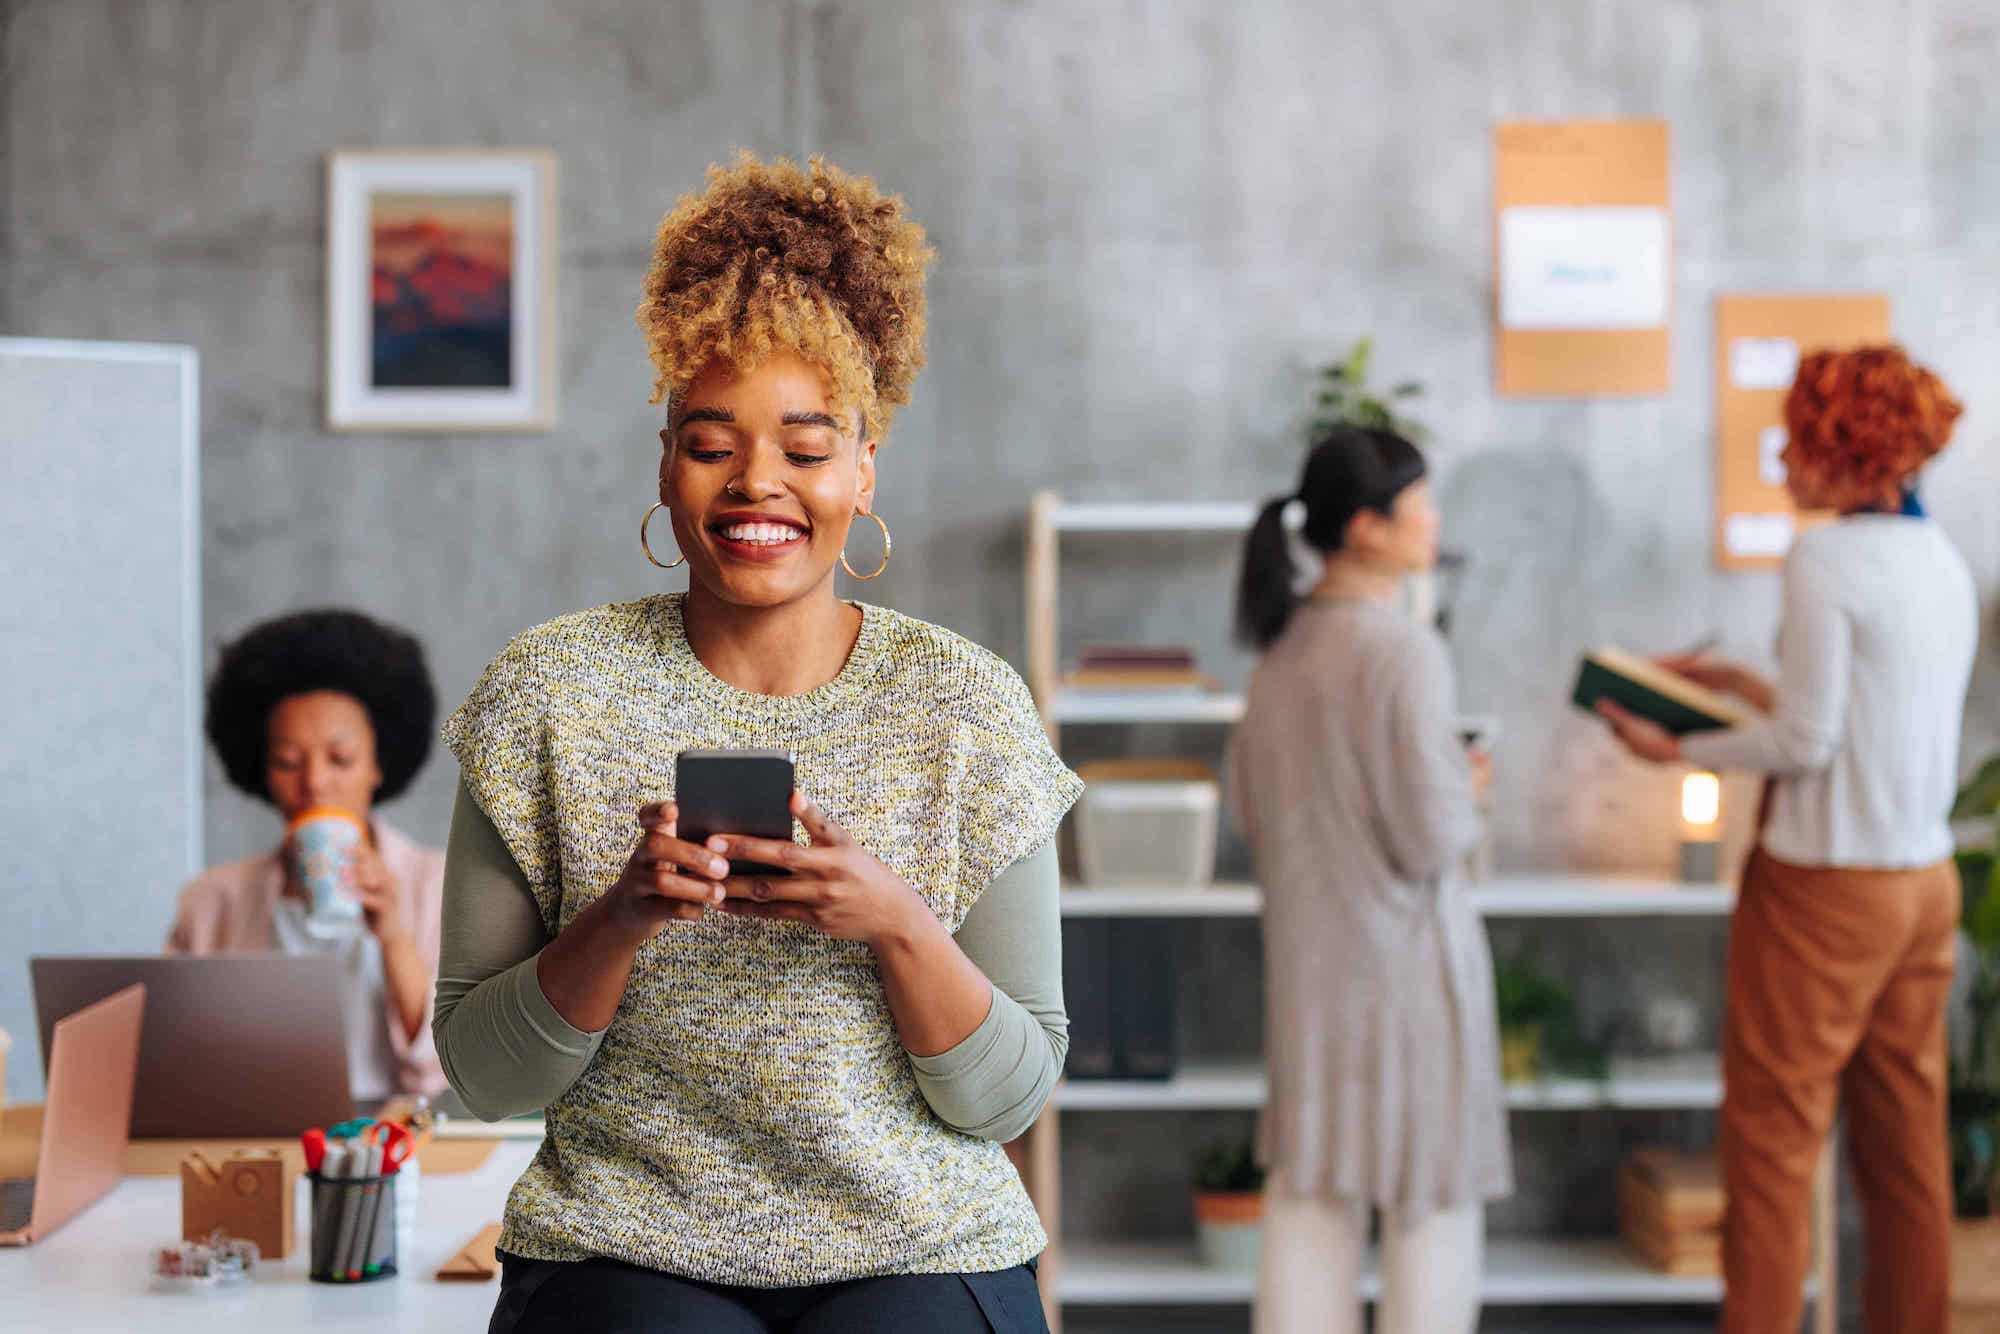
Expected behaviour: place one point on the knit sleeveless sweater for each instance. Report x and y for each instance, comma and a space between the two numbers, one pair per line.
751, 1117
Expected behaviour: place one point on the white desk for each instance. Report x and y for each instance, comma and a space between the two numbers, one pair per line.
94, 1273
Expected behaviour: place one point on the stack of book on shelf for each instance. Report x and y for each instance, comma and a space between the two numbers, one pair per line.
1118, 984
1670, 1210
1125, 668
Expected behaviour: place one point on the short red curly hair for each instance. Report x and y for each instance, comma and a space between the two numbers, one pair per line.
812, 260
1863, 421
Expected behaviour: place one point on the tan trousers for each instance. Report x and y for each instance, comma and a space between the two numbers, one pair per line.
1837, 988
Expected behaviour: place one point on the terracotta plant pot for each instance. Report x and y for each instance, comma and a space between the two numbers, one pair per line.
1521, 1055
1975, 1276
1229, 1228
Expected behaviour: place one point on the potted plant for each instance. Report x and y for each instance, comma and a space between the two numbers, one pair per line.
1229, 1206
1975, 1069
1539, 1032
1343, 397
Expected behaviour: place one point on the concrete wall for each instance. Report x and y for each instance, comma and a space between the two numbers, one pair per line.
1153, 220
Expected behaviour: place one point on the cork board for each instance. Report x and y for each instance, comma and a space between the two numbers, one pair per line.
1758, 341
1612, 166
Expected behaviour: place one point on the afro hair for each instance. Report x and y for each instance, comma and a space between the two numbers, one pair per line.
811, 260
1863, 421
344, 651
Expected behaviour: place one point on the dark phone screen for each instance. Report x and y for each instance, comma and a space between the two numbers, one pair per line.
747, 792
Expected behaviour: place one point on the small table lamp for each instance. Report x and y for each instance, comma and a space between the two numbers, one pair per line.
1701, 828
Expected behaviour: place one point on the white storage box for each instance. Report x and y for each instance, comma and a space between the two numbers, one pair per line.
1147, 823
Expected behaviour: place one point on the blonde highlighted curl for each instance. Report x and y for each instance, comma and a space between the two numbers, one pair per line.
773, 257
1862, 422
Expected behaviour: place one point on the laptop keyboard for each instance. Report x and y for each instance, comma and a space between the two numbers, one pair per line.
17, 1203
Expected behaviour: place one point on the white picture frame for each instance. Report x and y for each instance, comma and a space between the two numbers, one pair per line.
440, 290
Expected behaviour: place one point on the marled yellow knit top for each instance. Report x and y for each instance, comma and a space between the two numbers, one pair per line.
751, 1117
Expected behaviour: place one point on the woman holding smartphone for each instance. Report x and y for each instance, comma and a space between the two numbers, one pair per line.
1842, 944
1349, 781
773, 1102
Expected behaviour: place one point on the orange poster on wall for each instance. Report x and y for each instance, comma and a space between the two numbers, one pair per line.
1758, 343
1583, 258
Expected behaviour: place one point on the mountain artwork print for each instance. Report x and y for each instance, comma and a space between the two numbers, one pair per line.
441, 290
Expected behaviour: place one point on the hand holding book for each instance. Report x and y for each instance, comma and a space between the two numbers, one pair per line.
1720, 675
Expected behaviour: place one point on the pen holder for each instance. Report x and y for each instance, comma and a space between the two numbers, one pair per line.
353, 1229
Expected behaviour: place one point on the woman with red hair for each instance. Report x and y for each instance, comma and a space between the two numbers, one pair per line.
1841, 947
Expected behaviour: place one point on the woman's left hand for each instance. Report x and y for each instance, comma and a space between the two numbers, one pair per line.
378, 893
1642, 736
836, 886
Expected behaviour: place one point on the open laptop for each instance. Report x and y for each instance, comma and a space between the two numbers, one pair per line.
237, 1046
86, 1119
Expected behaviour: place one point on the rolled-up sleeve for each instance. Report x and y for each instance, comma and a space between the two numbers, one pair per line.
994, 1083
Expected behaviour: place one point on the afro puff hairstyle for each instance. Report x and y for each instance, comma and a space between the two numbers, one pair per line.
773, 257
1863, 421
342, 651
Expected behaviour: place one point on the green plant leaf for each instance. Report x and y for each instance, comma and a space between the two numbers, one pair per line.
1981, 793
1977, 869
1982, 919
1358, 358
1229, 1165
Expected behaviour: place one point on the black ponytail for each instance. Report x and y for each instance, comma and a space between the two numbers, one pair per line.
1353, 468
1264, 597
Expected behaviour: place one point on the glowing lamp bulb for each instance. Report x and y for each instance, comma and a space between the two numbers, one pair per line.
1701, 801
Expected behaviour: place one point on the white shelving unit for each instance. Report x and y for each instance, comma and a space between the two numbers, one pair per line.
1663, 1084
1519, 1271
1554, 895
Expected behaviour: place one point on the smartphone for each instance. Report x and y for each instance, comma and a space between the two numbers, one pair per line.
747, 792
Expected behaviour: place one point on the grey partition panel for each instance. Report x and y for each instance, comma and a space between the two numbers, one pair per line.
100, 636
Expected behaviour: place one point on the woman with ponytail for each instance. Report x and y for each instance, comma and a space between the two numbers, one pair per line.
1359, 803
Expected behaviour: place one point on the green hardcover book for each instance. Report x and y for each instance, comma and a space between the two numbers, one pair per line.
1651, 691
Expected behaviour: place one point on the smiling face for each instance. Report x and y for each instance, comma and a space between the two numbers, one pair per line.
763, 474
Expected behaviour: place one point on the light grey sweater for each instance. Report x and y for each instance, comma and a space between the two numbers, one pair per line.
1350, 784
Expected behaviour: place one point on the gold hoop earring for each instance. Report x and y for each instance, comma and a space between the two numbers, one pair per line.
643, 546
885, 548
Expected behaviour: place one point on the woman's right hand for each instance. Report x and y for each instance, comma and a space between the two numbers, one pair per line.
665, 880
1720, 674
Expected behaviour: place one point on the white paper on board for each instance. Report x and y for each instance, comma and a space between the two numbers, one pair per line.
1771, 455
1583, 268
1758, 534
1763, 363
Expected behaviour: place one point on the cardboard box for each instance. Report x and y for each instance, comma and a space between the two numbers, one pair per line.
1670, 1210
247, 1195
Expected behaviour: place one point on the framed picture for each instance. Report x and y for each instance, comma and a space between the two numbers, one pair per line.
440, 290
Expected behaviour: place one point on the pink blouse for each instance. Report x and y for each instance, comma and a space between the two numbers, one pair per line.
240, 906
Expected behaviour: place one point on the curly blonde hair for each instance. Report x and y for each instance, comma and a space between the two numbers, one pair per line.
1864, 420
771, 256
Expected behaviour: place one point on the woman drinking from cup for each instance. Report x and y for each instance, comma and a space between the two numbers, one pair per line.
324, 715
